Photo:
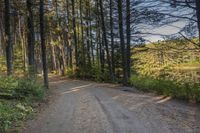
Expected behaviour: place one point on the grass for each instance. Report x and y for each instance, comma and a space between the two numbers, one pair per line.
187, 91
16, 99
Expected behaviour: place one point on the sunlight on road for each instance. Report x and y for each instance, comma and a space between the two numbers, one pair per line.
75, 89
164, 100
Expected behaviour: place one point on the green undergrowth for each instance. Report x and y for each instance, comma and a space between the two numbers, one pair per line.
181, 90
17, 97
90, 73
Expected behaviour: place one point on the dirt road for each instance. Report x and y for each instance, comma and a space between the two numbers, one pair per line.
89, 107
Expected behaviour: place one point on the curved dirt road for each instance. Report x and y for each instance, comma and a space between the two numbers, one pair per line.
89, 107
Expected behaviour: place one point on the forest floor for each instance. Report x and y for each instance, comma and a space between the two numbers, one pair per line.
88, 107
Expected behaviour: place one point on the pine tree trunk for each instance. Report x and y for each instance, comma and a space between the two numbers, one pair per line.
88, 34
43, 46
123, 48
30, 38
112, 38
128, 35
74, 30
198, 16
105, 40
9, 59
82, 34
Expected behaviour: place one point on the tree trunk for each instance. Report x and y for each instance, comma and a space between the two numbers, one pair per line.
43, 46
112, 38
88, 34
30, 38
105, 40
82, 34
74, 30
9, 59
128, 35
198, 16
123, 50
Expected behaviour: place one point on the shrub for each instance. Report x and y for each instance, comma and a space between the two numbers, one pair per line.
69, 72
11, 112
187, 91
16, 98
12, 88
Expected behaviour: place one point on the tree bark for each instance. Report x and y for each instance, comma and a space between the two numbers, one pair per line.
105, 40
30, 38
128, 35
198, 16
74, 30
82, 34
112, 38
9, 59
123, 50
43, 46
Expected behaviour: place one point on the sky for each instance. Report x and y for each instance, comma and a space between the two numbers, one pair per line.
165, 30
169, 29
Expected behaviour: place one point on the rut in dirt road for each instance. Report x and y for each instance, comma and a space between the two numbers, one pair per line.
89, 107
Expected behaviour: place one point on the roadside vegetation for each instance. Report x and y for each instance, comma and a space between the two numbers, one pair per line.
17, 98
170, 68
181, 90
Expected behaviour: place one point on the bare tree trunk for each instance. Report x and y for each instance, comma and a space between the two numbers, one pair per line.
82, 33
198, 16
128, 35
88, 33
123, 48
22, 41
112, 38
43, 46
9, 53
31, 38
74, 30
91, 36
105, 40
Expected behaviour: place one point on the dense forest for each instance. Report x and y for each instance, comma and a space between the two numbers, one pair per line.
99, 40
91, 39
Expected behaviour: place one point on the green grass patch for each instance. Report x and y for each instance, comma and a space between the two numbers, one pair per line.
186, 91
16, 99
